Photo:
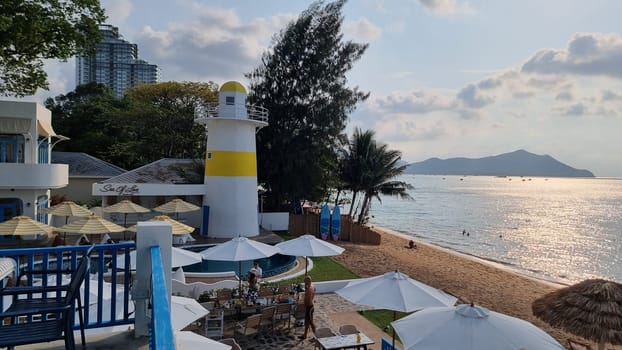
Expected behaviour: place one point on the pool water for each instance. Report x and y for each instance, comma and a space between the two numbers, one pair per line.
271, 266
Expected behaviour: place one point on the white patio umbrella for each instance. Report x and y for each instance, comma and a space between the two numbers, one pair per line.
239, 249
179, 257
184, 311
470, 327
190, 341
308, 245
394, 291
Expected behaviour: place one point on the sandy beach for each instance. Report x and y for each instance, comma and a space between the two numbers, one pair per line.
469, 279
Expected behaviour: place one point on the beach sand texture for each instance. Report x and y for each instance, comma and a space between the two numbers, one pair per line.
468, 279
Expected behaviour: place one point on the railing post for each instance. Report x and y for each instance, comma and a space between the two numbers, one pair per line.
150, 233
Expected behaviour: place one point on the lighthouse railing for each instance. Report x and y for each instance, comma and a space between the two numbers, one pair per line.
210, 110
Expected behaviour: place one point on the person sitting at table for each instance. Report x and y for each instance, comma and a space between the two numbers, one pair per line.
252, 281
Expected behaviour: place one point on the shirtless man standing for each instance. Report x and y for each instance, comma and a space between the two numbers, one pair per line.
309, 297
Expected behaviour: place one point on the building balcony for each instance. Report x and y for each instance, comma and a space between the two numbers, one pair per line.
33, 176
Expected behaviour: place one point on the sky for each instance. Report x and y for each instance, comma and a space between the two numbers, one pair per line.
447, 78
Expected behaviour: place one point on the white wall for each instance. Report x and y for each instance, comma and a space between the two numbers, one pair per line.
274, 221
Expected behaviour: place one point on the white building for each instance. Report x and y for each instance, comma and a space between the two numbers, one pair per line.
26, 173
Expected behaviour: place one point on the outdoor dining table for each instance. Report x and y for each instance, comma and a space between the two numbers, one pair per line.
345, 341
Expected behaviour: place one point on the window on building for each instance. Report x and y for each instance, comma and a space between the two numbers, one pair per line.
43, 152
230, 100
11, 148
10, 207
42, 203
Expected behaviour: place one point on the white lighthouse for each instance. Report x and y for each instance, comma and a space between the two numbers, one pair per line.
230, 199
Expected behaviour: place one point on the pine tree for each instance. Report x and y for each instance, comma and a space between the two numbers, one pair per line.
302, 81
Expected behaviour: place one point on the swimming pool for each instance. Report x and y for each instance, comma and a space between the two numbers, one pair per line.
271, 266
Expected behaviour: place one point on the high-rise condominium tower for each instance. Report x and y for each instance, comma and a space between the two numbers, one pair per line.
115, 64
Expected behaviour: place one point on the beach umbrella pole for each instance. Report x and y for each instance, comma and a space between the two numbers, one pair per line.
393, 330
240, 278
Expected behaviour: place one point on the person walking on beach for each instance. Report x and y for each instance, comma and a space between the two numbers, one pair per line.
308, 301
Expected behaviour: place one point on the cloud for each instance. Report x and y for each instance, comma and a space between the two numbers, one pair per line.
489, 83
447, 7
117, 10
609, 95
472, 98
577, 109
523, 94
591, 54
564, 96
362, 30
418, 102
215, 45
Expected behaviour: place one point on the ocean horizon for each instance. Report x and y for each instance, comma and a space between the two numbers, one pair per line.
562, 230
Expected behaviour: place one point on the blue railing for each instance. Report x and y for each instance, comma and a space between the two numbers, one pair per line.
160, 328
105, 295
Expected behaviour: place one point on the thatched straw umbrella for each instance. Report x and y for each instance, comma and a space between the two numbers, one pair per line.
591, 309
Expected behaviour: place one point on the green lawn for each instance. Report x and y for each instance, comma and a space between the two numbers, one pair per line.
325, 269
382, 319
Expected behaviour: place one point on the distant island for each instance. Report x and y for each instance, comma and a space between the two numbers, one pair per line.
517, 163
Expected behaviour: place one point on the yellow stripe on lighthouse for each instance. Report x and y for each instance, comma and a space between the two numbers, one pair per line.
230, 163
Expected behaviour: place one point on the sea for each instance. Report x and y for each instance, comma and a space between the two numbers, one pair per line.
562, 230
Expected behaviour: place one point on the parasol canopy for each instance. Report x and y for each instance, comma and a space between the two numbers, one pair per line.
239, 249
67, 209
127, 207
394, 291
470, 327
591, 309
179, 257
176, 206
192, 340
24, 225
308, 245
178, 227
92, 224
184, 311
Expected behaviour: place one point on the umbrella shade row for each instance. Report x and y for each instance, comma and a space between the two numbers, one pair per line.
178, 228
23, 225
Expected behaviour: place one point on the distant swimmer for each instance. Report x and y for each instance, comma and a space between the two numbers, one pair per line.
463, 232
468, 234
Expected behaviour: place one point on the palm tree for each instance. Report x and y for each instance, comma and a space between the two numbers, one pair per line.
370, 168
351, 165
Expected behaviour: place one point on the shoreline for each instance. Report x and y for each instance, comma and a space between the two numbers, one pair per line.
467, 277
493, 263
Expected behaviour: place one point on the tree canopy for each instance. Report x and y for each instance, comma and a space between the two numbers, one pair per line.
89, 117
34, 30
151, 122
302, 81
159, 122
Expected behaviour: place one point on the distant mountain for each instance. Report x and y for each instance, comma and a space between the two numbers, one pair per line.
517, 163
